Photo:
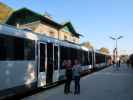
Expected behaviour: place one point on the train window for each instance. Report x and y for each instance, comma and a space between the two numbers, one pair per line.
80, 56
6, 48
64, 55
50, 53
42, 57
97, 58
70, 54
24, 49
29, 49
62, 58
86, 57
103, 58
14, 48
55, 57
74, 55
18, 49
90, 58
100, 58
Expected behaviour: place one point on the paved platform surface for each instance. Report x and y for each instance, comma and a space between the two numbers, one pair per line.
108, 84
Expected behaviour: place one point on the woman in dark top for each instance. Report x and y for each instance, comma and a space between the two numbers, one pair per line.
68, 76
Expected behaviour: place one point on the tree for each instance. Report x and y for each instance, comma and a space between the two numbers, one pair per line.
5, 12
124, 58
104, 50
87, 44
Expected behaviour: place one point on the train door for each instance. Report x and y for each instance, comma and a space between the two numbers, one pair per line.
56, 63
93, 59
52, 63
42, 53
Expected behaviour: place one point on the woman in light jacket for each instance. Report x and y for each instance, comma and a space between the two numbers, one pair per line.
76, 75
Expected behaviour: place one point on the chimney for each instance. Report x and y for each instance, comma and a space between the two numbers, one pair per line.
47, 15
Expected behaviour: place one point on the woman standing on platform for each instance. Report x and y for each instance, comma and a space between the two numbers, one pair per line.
76, 74
68, 76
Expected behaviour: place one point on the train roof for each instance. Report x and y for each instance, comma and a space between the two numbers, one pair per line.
98, 52
13, 31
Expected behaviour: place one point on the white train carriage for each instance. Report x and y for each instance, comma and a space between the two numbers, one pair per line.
17, 60
100, 60
29, 60
67, 51
85, 63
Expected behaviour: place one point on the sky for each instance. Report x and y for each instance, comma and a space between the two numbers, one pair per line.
96, 20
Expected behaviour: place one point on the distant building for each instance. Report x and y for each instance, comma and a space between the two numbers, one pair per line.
44, 25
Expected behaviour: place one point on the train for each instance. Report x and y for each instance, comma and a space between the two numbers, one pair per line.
29, 60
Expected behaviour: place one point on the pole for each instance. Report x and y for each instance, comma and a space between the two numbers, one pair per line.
116, 47
116, 51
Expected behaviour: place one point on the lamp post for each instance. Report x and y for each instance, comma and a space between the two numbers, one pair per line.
116, 38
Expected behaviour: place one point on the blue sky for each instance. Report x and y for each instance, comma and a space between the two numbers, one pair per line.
95, 19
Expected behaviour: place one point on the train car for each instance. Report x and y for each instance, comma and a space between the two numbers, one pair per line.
29, 60
18, 71
101, 60
86, 61
67, 51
